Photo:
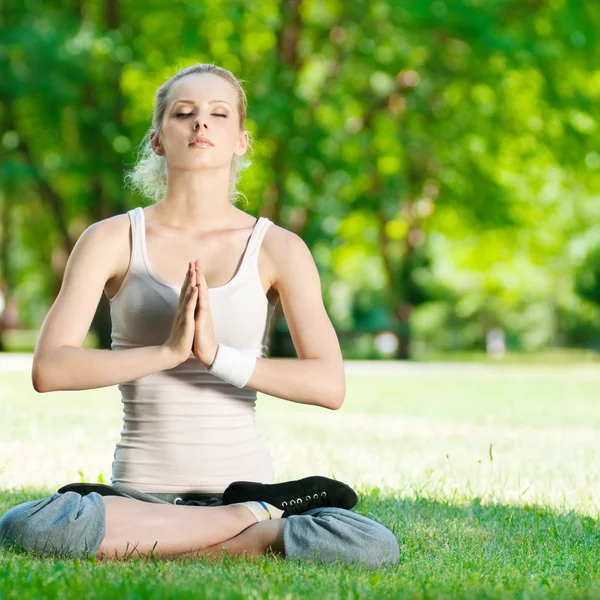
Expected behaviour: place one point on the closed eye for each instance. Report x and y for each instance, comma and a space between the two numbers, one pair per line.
188, 114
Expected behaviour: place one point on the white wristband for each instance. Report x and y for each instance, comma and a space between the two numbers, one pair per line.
233, 365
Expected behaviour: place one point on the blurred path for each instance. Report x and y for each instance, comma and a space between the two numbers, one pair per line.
21, 361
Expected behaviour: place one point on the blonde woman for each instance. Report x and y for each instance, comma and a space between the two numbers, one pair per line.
193, 282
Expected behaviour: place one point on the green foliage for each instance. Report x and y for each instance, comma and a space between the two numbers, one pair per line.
587, 277
426, 152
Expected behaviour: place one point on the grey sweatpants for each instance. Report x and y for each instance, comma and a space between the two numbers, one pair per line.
73, 525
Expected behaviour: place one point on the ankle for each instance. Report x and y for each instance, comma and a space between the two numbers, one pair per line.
262, 511
242, 512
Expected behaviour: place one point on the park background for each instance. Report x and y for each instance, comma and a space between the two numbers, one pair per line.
441, 161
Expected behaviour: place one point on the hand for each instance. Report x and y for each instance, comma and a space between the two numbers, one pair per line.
181, 339
205, 344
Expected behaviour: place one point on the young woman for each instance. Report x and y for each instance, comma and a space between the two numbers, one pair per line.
192, 283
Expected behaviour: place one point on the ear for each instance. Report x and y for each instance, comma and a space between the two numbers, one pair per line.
242, 144
155, 142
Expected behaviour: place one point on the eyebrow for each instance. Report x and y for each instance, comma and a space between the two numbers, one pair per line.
185, 101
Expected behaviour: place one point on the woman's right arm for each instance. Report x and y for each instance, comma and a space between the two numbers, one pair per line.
59, 362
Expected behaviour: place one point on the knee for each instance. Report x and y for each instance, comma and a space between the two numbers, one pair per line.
337, 534
378, 546
66, 524
16, 525
387, 546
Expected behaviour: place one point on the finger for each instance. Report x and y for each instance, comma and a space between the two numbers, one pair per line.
199, 286
189, 281
202, 287
184, 287
192, 300
185, 300
185, 308
191, 287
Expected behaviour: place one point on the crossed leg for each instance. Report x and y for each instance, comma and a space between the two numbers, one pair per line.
117, 527
137, 528
261, 538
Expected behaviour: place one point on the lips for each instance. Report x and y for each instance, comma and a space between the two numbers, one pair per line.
201, 141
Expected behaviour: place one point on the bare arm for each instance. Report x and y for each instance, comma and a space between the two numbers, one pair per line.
59, 362
318, 376
71, 368
306, 381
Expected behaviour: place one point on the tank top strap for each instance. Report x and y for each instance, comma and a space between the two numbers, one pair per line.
260, 228
137, 239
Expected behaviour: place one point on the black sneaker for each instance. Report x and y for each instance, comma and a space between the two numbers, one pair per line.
294, 497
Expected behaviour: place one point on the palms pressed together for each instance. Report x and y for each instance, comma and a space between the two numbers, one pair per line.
205, 344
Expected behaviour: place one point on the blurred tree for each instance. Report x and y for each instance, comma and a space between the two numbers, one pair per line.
587, 277
428, 153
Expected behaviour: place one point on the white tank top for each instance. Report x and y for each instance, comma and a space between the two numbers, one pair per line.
185, 429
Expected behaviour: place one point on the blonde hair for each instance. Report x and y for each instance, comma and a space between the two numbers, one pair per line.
149, 174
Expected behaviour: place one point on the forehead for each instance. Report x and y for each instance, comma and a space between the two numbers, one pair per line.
202, 87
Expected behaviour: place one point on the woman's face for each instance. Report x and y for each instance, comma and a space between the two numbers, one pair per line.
200, 104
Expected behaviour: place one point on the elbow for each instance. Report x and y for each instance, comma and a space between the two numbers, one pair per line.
37, 386
37, 380
336, 405
337, 399
336, 378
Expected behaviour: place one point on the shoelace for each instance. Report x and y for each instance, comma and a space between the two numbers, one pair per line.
299, 505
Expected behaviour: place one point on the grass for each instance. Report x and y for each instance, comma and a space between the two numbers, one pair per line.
487, 474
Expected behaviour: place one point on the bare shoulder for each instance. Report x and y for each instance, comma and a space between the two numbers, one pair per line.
287, 252
115, 225
89, 266
109, 228
112, 239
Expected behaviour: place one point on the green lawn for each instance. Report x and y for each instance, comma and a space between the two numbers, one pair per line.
487, 474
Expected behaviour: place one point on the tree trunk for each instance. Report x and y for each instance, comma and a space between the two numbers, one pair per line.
402, 314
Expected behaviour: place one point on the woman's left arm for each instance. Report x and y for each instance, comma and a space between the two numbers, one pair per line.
317, 376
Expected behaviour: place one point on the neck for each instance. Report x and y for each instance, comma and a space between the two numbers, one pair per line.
194, 199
